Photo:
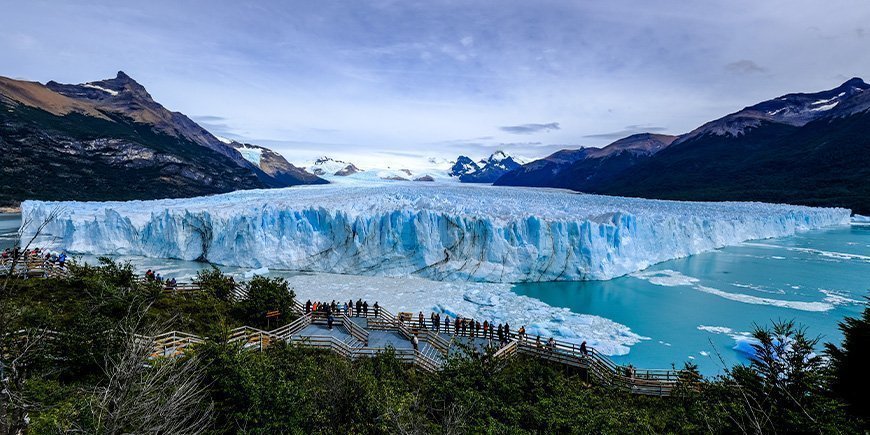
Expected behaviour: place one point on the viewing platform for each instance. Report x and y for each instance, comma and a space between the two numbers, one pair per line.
368, 334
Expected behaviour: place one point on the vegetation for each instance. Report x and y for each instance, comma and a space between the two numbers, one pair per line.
89, 376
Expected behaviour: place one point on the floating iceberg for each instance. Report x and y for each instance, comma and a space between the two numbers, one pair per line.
437, 231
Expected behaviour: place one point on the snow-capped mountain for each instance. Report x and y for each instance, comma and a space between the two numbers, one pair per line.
793, 109
327, 167
272, 163
463, 166
486, 170
802, 148
111, 140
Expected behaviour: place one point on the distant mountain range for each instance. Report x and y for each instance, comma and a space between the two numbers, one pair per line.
109, 140
811, 149
463, 169
484, 171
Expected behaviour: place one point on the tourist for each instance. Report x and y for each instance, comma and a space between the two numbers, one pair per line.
422, 320
551, 344
350, 307
456, 325
438, 322
583, 349
507, 331
61, 259
500, 333
538, 341
329, 321
521, 333
366, 309
491, 330
432, 319
477, 328
358, 307
485, 327
415, 342
377, 309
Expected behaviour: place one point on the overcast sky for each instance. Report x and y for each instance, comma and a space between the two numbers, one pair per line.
369, 80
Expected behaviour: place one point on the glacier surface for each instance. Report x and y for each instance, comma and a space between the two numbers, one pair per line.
433, 230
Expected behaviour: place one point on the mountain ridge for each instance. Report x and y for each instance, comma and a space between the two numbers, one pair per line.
800, 148
111, 140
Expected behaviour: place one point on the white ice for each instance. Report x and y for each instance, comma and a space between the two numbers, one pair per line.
481, 301
436, 230
672, 278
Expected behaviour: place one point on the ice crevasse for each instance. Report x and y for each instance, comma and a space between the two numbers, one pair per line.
437, 231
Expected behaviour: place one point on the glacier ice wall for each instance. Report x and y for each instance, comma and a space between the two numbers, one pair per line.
440, 231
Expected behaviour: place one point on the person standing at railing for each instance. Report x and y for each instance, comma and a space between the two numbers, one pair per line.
500, 333
446, 323
456, 325
366, 309
422, 320
358, 307
551, 344
350, 308
377, 309
521, 333
329, 321
507, 332
477, 328
583, 349
485, 327
415, 342
491, 330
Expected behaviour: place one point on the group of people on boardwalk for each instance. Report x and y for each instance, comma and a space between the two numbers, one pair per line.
360, 308
468, 327
47, 257
151, 275
458, 326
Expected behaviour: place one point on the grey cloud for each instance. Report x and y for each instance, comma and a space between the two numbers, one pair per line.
744, 66
627, 131
209, 118
530, 128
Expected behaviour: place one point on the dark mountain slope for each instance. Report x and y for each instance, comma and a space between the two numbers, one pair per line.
823, 163
79, 157
805, 148
581, 169
110, 140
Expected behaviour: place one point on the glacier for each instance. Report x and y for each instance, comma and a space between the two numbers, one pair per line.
439, 231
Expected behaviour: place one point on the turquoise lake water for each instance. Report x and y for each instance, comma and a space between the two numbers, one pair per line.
697, 308
733, 288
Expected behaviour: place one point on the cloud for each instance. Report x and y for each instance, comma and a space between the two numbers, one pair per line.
744, 66
530, 128
627, 131
215, 125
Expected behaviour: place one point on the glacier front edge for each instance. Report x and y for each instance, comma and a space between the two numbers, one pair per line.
437, 231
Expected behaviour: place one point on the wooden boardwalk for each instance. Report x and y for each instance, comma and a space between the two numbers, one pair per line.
367, 336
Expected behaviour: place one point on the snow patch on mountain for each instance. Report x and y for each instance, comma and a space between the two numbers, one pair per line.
100, 88
251, 154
